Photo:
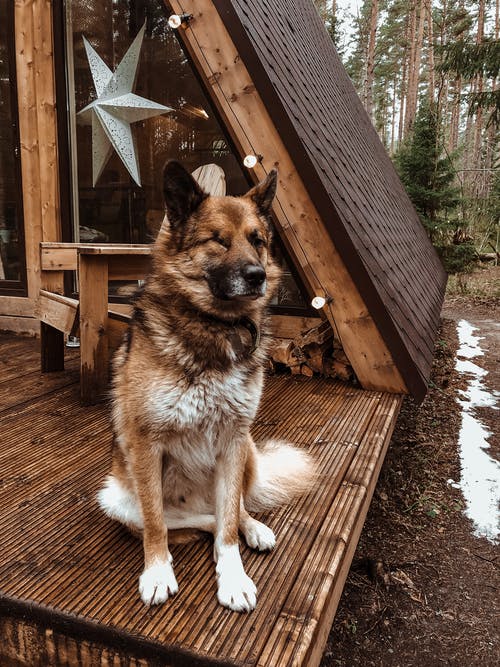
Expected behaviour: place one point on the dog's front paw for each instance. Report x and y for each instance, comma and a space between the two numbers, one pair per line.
235, 589
238, 593
157, 582
258, 535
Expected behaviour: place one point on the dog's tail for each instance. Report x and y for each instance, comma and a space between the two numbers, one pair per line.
277, 473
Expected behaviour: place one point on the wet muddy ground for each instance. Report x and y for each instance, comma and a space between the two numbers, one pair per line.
424, 587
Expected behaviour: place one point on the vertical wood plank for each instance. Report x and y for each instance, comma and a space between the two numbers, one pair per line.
28, 135
47, 133
46, 120
93, 327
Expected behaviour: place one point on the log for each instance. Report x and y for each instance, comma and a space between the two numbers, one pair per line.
281, 352
305, 370
319, 335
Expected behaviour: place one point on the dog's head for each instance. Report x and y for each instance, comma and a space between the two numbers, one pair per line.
217, 249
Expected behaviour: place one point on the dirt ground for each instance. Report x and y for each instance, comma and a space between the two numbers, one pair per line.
423, 590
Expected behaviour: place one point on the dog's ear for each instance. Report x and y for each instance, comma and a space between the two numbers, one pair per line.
182, 193
263, 193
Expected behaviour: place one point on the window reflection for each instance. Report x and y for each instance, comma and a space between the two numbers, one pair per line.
116, 209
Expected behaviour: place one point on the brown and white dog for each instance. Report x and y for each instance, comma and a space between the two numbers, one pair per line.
186, 388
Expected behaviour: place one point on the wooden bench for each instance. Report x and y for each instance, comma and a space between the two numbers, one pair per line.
96, 266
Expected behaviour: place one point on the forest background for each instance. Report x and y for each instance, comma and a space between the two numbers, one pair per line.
427, 72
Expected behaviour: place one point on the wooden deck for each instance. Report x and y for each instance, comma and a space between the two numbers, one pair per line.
68, 575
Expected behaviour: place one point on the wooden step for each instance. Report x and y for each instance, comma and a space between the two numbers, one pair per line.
68, 575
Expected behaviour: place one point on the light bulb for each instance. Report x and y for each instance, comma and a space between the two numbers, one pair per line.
318, 302
175, 21
250, 161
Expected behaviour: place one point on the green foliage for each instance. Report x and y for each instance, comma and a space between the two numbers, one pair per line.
333, 23
493, 204
457, 257
470, 59
428, 175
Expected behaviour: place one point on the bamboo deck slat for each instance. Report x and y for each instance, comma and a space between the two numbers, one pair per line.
68, 575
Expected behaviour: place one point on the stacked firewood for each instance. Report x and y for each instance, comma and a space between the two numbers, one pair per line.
314, 351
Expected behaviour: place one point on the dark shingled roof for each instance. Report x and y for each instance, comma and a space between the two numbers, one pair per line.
347, 172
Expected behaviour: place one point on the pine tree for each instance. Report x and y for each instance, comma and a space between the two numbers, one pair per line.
428, 175
471, 60
333, 18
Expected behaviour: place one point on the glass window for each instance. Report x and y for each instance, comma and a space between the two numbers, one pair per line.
127, 138
11, 241
114, 207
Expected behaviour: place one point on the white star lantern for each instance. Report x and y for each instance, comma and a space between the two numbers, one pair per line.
115, 108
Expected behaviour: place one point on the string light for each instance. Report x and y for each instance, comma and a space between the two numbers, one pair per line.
251, 160
175, 20
319, 301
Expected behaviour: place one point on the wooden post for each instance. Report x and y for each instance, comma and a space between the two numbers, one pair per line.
39, 157
93, 327
52, 347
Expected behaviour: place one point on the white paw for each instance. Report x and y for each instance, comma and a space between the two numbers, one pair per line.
157, 583
237, 593
235, 589
259, 536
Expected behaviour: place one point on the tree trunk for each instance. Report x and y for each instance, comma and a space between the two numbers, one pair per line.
477, 138
403, 94
393, 117
455, 115
492, 141
370, 60
430, 51
414, 78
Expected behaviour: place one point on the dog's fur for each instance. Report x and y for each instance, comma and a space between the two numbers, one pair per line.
187, 384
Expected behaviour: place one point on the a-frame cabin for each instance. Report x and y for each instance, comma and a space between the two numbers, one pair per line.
239, 78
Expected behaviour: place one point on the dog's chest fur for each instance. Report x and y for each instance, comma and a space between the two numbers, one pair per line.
204, 402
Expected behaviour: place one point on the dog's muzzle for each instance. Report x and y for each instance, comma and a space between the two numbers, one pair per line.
246, 282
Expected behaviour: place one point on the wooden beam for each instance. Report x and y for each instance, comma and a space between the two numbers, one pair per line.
58, 257
17, 306
299, 224
28, 134
64, 257
58, 311
38, 135
21, 325
46, 119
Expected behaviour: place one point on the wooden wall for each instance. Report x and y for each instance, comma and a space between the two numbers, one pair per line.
39, 159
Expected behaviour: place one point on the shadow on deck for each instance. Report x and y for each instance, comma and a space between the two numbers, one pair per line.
68, 575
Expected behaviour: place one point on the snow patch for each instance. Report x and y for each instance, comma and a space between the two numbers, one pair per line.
480, 472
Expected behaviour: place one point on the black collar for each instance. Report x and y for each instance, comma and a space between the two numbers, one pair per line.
252, 328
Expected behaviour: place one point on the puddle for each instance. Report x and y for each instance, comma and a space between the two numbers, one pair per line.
480, 473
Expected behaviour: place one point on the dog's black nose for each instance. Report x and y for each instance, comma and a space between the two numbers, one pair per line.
253, 274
